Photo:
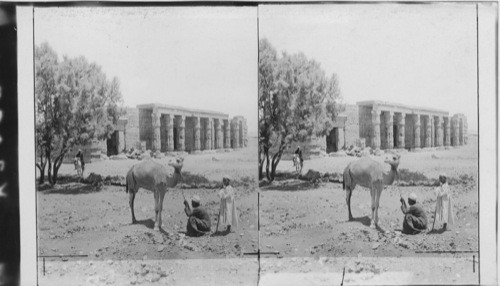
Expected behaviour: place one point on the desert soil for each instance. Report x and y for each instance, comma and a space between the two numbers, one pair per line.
80, 219
307, 224
300, 220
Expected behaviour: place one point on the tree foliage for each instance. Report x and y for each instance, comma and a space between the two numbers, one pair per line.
296, 100
75, 103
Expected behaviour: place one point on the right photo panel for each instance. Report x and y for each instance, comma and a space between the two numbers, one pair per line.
368, 144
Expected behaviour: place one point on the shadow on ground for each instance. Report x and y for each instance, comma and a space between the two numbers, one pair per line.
366, 221
72, 189
290, 185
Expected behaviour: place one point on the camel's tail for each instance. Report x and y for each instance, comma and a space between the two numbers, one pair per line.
130, 181
347, 181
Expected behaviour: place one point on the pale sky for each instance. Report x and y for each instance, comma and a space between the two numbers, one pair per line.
196, 57
418, 54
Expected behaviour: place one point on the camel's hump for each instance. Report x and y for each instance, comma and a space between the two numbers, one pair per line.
365, 164
149, 167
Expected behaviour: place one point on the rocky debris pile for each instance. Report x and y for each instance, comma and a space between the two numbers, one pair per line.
361, 266
94, 179
187, 244
333, 177
340, 153
134, 154
118, 157
405, 178
146, 155
99, 180
158, 155
115, 180
311, 176
361, 152
148, 273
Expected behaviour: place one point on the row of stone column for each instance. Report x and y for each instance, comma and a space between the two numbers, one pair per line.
432, 138
218, 134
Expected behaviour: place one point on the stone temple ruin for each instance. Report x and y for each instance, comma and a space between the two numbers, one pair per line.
165, 128
389, 125
386, 125
168, 128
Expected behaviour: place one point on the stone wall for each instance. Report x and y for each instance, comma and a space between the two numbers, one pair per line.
189, 134
365, 122
145, 130
409, 130
351, 125
132, 128
163, 132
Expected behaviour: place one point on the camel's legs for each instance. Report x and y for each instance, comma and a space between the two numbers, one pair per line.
377, 200
155, 191
160, 203
131, 203
373, 194
348, 195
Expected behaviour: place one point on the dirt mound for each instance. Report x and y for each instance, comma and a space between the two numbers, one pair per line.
406, 178
311, 176
115, 180
94, 179
360, 265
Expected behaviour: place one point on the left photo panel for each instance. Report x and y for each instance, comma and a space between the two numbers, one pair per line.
146, 144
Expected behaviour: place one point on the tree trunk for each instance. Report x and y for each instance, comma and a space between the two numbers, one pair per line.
49, 171
54, 174
41, 168
261, 166
268, 175
57, 165
261, 163
274, 164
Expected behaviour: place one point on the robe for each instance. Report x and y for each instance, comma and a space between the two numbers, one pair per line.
228, 212
415, 219
444, 206
198, 221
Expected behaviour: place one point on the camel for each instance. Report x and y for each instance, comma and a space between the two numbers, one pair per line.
152, 176
369, 173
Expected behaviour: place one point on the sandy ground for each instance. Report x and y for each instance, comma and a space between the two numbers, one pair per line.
368, 271
79, 219
301, 220
306, 224
235, 271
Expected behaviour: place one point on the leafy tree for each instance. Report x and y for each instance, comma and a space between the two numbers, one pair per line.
75, 103
296, 100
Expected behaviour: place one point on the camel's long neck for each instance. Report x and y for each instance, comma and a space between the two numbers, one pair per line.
390, 177
172, 181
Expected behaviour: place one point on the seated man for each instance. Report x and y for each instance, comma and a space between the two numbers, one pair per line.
415, 219
199, 220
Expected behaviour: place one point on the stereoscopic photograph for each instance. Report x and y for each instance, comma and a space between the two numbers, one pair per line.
249, 143
146, 144
368, 143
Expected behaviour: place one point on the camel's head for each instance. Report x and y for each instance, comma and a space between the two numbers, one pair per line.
393, 161
179, 162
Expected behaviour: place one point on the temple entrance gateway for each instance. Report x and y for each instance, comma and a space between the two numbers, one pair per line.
332, 141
